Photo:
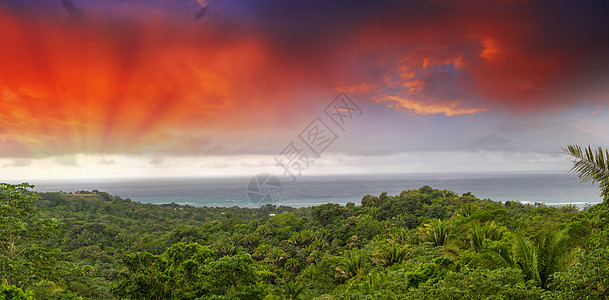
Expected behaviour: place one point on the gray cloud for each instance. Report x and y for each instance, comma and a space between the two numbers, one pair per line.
491, 143
107, 162
68, 160
155, 161
19, 163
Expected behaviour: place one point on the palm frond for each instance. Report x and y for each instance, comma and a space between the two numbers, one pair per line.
493, 259
591, 166
437, 232
550, 253
525, 255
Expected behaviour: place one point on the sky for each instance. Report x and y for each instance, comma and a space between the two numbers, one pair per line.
179, 88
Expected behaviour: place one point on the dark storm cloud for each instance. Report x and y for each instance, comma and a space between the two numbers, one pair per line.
202, 12
521, 54
72, 10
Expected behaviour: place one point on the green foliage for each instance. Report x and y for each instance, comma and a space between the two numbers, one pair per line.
11, 292
479, 235
326, 213
374, 285
436, 232
421, 244
28, 257
478, 284
536, 261
589, 279
390, 253
233, 277
429, 272
290, 290
187, 271
351, 264
554, 255
525, 256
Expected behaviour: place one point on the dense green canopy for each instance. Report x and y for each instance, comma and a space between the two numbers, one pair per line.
420, 244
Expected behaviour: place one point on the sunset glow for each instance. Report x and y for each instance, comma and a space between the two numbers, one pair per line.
154, 79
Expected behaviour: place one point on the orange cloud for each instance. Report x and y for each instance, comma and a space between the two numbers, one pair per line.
511, 61
126, 85
144, 79
491, 50
420, 108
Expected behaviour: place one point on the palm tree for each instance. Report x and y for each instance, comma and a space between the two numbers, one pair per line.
315, 256
525, 256
376, 284
262, 251
390, 253
467, 209
292, 264
291, 290
237, 239
301, 239
403, 236
436, 232
552, 255
496, 258
225, 246
537, 262
277, 256
252, 241
478, 234
591, 166
352, 263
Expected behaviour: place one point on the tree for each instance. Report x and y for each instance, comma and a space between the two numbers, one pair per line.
23, 254
437, 232
291, 290
588, 279
352, 263
11, 292
234, 276
537, 262
301, 239
187, 271
374, 285
390, 253
591, 166
326, 213
143, 278
502, 283
526, 257
554, 255
478, 234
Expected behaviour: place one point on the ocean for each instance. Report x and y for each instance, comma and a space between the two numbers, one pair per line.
548, 188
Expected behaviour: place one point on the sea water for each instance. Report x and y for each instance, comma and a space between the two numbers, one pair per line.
548, 188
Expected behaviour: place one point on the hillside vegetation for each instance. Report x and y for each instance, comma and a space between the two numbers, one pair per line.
420, 244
